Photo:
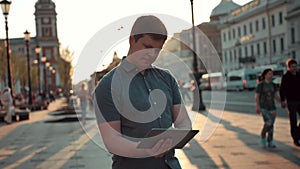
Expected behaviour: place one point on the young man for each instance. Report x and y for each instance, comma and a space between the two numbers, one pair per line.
135, 97
265, 97
290, 97
7, 101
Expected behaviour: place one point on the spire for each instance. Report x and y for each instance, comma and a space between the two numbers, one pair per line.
115, 55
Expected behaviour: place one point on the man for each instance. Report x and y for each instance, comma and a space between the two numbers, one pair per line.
290, 96
84, 97
136, 97
7, 101
265, 96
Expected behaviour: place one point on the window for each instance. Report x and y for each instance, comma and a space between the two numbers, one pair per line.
263, 23
281, 44
229, 35
256, 25
294, 54
239, 32
234, 52
250, 27
258, 48
274, 46
265, 47
235, 78
293, 35
245, 30
224, 37
273, 20
246, 51
252, 50
240, 52
252, 76
233, 33
280, 18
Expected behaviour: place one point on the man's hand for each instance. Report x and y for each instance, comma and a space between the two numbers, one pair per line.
283, 104
160, 148
258, 110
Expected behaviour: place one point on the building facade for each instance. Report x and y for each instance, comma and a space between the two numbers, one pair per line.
47, 39
261, 32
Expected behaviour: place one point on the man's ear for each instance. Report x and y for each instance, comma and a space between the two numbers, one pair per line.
131, 40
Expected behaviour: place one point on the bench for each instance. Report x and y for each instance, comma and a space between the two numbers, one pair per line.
23, 114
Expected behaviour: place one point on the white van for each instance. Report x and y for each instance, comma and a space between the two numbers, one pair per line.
215, 81
242, 79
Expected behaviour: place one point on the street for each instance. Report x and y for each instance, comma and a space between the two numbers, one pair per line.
241, 101
50, 140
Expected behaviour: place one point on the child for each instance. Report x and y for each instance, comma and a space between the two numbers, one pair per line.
265, 105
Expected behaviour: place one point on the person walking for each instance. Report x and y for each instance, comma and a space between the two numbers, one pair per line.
290, 97
265, 105
136, 97
84, 97
7, 102
184, 89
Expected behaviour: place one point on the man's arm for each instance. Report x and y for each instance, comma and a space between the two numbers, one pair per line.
258, 109
117, 144
282, 89
180, 117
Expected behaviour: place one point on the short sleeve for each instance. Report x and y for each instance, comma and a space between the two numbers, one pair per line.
176, 93
105, 107
258, 88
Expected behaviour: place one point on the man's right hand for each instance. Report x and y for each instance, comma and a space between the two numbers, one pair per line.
160, 148
283, 104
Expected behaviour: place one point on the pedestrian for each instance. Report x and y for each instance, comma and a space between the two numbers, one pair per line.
84, 97
184, 89
51, 96
290, 97
129, 104
7, 102
265, 96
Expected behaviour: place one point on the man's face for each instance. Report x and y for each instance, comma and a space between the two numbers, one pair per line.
269, 75
293, 68
145, 50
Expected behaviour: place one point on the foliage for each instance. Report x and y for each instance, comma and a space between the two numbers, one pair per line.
65, 68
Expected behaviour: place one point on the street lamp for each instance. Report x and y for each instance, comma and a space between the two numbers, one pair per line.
5, 5
197, 75
45, 64
27, 39
38, 51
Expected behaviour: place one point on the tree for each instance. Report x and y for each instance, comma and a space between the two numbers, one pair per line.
65, 69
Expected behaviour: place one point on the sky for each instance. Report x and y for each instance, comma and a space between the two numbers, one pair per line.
78, 21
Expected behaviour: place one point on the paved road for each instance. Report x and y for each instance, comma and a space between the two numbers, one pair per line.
242, 102
234, 144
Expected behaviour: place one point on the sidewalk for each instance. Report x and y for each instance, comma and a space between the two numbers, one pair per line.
35, 144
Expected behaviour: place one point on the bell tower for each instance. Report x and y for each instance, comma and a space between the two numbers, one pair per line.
47, 39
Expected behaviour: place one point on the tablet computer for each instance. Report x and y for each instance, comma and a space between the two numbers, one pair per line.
179, 136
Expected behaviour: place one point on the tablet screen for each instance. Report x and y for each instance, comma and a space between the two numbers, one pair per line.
179, 136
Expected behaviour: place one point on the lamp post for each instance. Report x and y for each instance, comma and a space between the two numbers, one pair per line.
5, 5
27, 39
197, 75
37, 51
45, 64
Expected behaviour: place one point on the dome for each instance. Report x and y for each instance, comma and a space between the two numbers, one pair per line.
223, 8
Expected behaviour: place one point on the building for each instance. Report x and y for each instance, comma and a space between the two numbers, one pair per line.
47, 39
261, 32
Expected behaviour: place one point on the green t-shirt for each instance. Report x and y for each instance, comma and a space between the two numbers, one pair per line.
114, 98
266, 95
